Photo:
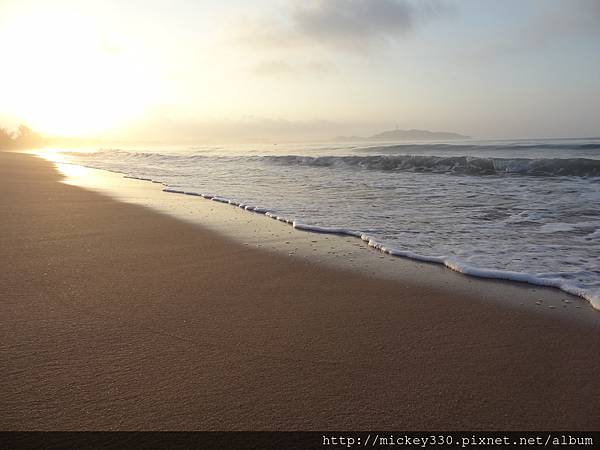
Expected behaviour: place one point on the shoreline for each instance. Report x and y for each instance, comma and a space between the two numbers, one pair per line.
375, 261
462, 268
118, 317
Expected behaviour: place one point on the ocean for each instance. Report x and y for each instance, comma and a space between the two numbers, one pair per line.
523, 210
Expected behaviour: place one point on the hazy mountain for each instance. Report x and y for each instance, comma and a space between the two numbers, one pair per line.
405, 135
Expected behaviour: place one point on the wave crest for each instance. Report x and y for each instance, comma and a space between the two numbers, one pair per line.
458, 165
467, 165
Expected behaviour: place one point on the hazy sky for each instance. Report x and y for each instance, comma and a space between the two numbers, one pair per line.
290, 69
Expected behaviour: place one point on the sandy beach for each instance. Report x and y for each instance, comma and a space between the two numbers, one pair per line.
117, 317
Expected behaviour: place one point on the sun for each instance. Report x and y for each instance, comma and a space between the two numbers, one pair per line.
70, 76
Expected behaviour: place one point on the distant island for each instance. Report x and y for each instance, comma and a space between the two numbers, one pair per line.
405, 135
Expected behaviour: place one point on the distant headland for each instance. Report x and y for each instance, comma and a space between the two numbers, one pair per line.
404, 135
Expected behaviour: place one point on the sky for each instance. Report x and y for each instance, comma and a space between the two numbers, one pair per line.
232, 70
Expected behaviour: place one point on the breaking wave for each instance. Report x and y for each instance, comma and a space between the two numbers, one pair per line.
461, 165
457, 165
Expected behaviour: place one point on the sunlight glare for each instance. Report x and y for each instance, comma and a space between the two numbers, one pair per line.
71, 77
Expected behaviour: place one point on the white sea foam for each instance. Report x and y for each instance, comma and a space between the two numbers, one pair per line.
547, 280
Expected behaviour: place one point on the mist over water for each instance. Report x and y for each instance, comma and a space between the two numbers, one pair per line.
524, 210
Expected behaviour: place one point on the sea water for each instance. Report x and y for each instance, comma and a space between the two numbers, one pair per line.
520, 210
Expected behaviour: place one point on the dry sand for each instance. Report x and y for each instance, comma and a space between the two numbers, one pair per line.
115, 317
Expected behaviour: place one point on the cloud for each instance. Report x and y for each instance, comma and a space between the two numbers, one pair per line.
575, 17
550, 24
580, 13
341, 22
351, 25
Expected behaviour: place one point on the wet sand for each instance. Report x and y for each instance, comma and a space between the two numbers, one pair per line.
117, 317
